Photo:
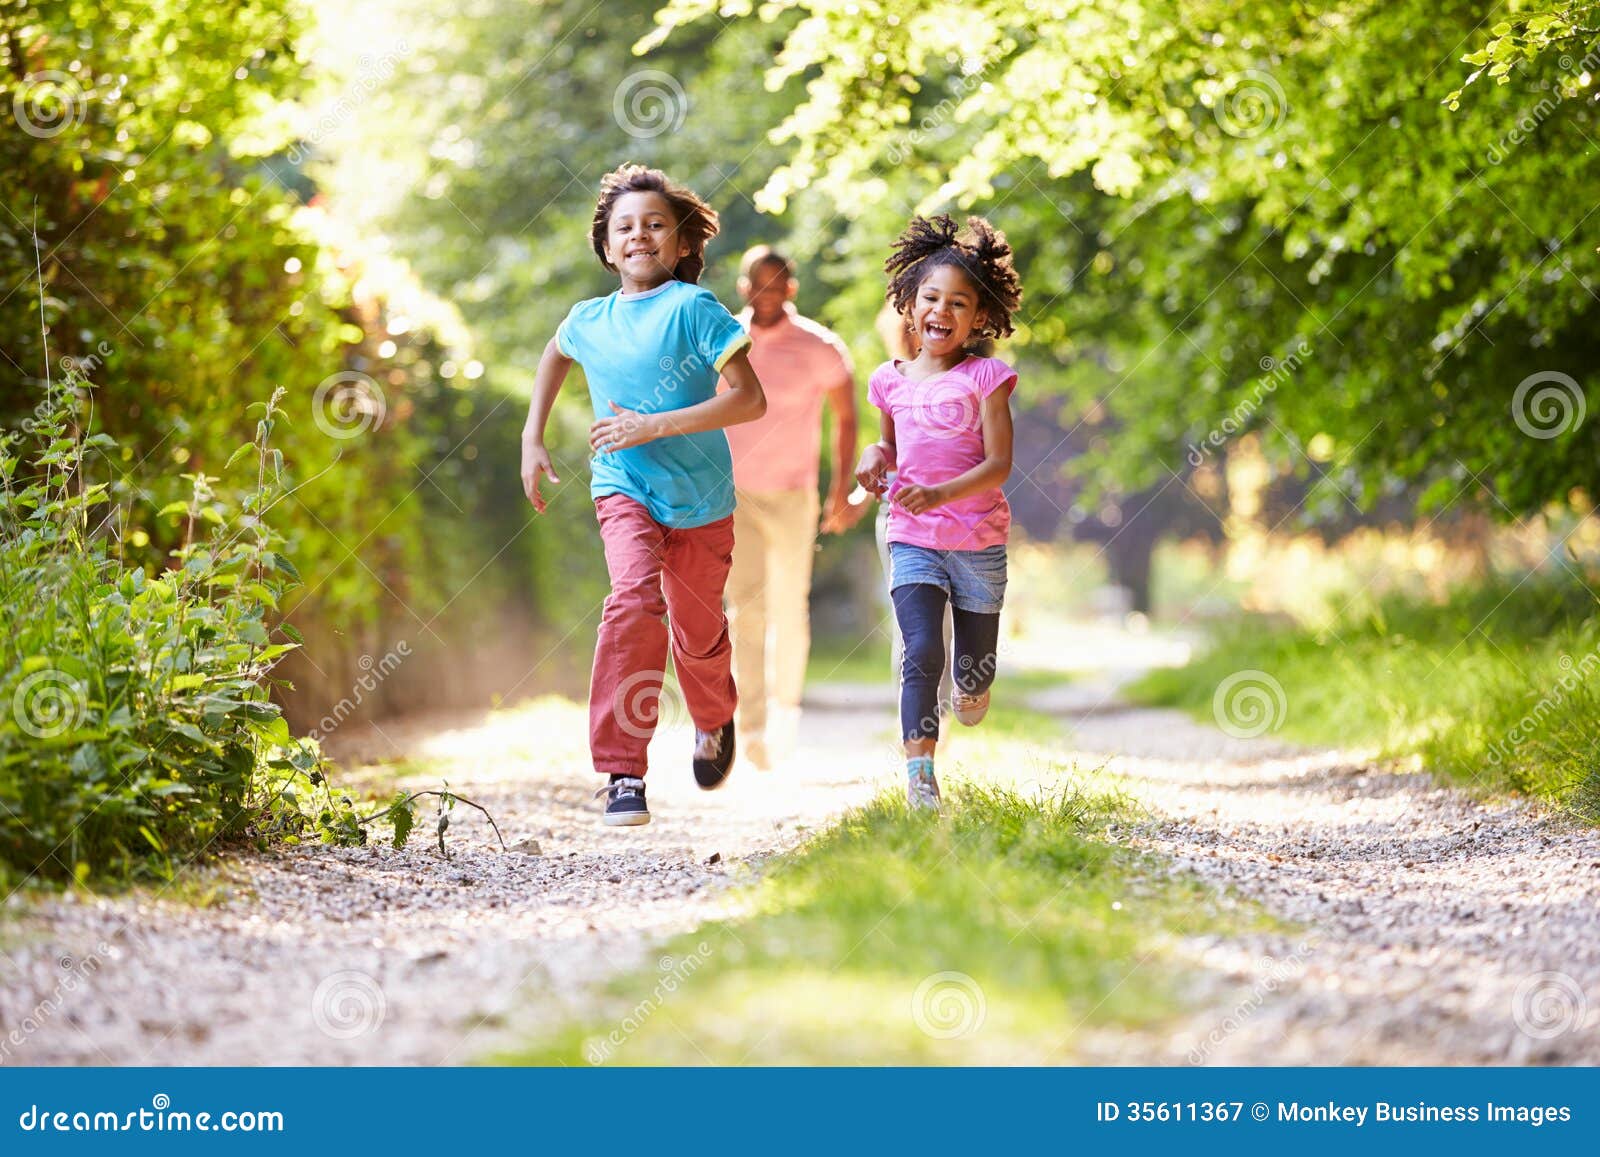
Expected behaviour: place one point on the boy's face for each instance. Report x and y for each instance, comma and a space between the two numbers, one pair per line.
642, 239
945, 311
766, 290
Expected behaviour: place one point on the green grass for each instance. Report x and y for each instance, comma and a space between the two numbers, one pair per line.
886, 933
1496, 687
850, 660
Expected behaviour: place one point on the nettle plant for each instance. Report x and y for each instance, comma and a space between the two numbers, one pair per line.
137, 728
136, 724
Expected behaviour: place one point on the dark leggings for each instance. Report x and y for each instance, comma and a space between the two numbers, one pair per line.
919, 607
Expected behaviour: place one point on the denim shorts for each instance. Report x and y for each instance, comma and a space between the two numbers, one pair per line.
975, 580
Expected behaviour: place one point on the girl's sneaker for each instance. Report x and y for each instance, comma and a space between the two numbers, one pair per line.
625, 805
922, 787
969, 709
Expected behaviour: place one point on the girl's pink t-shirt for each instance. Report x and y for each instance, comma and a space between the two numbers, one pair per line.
938, 431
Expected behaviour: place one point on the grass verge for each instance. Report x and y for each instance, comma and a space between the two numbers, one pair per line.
994, 935
1494, 687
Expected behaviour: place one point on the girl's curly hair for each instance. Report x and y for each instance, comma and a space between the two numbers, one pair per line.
982, 254
697, 221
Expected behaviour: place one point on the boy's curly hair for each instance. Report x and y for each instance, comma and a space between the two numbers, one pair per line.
982, 254
697, 221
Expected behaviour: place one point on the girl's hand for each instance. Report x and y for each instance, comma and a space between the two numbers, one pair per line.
920, 499
875, 463
536, 459
628, 428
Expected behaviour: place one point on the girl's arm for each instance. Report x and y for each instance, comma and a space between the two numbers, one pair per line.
743, 401
553, 367
986, 475
877, 459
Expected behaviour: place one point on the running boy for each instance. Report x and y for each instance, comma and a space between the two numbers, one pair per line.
662, 477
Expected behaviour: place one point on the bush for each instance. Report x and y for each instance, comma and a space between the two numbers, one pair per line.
135, 721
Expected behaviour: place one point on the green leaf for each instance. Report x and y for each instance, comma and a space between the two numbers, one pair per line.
403, 815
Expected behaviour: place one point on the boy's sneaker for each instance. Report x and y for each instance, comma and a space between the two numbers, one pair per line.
713, 756
922, 790
969, 709
625, 806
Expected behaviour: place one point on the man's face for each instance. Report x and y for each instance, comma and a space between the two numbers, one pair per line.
766, 291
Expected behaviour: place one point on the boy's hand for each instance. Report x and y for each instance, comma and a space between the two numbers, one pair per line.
870, 471
919, 499
535, 458
627, 428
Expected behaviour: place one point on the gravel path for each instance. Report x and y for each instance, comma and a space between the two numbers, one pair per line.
1425, 927
1433, 928
320, 955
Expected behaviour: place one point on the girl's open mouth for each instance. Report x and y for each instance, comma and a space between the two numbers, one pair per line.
937, 332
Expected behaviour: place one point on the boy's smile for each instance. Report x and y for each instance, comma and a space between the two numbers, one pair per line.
642, 241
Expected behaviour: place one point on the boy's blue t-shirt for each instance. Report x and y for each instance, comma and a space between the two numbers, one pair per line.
654, 351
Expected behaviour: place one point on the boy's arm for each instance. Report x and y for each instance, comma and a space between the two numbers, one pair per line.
553, 367
742, 401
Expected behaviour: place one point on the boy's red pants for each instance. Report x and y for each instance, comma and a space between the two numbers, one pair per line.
659, 576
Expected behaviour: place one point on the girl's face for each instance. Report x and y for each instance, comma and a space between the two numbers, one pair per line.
642, 240
945, 311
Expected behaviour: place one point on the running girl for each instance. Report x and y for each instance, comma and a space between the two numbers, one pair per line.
662, 479
945, 453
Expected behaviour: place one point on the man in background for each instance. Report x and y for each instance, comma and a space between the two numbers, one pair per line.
776, 466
